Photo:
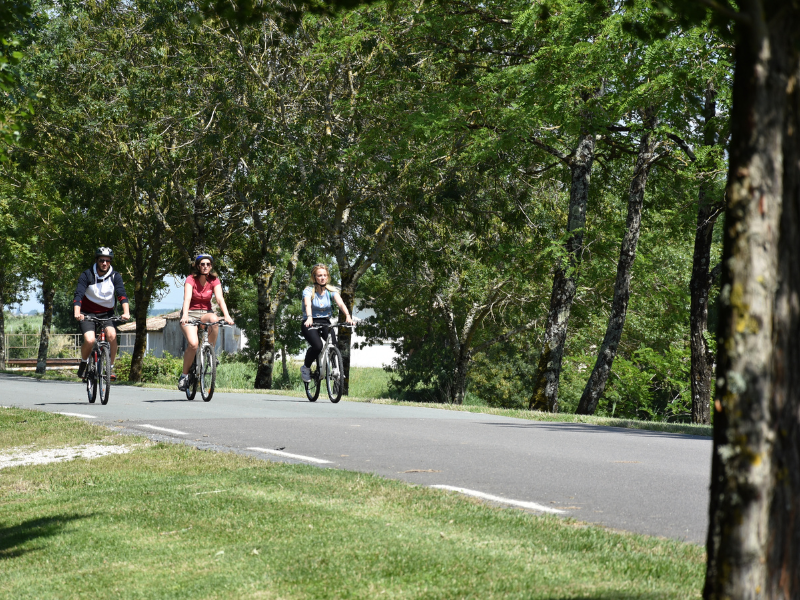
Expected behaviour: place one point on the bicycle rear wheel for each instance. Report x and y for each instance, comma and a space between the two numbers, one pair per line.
209, 373
104, 374
91, 381
191, 384
312, 387
334, 377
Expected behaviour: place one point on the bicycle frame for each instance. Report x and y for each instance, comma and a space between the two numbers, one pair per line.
199, 372
333, 376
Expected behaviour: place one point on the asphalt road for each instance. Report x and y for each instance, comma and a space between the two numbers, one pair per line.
640, 481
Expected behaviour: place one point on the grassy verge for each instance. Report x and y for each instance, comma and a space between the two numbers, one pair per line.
173, 522
369, 385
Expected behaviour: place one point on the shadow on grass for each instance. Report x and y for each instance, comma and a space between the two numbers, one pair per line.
11, 538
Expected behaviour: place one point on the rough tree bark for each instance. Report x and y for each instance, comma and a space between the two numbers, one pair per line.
619, 307
48, 293
2, 319
753, 545
269, 302
548, 371
701, 281
144, 243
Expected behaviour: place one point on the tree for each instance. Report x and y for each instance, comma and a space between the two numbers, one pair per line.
754, 538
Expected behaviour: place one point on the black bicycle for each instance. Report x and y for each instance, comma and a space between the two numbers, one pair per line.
204, 367
98, 369
329, 366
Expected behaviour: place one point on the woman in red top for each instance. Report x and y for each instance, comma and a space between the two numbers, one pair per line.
197, 292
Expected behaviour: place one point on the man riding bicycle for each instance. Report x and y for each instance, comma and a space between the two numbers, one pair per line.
97, 293
317, 310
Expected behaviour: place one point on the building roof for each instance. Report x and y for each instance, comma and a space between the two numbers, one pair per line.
153, 323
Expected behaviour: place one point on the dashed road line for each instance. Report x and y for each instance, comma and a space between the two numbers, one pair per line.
499, 499
164, 429
68, 414
294, 456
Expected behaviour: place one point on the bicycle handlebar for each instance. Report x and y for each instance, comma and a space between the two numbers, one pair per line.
323, 325
198, 323
114, 320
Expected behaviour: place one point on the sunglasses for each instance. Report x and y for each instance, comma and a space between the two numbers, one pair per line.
104, 260
205, 264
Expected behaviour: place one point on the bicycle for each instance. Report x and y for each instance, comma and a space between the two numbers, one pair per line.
204, 367
98, 368
329, 365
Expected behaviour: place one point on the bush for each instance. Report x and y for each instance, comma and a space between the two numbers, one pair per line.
154, 370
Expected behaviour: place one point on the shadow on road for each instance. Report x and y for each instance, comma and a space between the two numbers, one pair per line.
184, 399
596, 429
11, 538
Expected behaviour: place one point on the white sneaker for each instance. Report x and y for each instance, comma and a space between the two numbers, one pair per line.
305, 373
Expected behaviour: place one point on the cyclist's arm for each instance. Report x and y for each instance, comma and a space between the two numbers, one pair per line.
307, 303
187, 298
222, 305
122, 296
343, 308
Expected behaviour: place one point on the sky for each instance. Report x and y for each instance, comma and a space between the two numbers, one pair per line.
172, 299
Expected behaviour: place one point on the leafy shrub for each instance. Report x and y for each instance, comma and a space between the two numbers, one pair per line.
501, 379
154, 370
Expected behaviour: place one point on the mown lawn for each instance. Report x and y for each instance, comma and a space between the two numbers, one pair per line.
170, 521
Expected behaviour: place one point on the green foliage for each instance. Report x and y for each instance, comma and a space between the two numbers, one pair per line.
154, 370
424, 150
502, 377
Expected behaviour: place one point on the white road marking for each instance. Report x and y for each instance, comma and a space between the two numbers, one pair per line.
42, 457
175, 431
294, 456
491, 498
77, 415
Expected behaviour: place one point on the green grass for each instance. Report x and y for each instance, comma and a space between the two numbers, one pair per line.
169, 521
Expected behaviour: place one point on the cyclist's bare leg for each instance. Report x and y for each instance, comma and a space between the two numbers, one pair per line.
214, 331
88, 343
190, 331
111, 338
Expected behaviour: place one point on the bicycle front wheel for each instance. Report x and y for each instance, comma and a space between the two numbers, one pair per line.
103, 374
312, 387
91, 381
208, 374
334, 377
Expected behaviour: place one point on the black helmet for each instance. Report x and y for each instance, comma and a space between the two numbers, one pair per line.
104, 251
200, 257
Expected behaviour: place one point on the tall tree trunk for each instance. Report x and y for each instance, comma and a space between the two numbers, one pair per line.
266, 329
346, 334
783, 558
699, 287
753, 545
700, 283
48, 293
619, 307
459, 386
548, 372
2, 319
145, 248
269, 303
142, 296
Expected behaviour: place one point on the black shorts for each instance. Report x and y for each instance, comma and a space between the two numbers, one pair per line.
84, 326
